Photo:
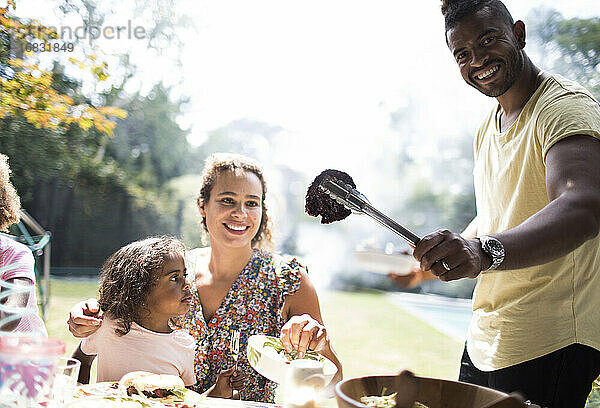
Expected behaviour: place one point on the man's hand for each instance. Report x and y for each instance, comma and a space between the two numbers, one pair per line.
85, 318
449, 256
303, 333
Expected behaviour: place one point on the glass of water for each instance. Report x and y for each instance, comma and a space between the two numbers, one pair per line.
65, 380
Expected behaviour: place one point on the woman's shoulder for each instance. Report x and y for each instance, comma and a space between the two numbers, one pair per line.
285, 270
285, 263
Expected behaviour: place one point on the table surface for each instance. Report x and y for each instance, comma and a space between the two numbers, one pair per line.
229, 403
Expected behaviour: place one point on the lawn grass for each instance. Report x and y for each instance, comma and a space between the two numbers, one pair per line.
370, 335
63, 295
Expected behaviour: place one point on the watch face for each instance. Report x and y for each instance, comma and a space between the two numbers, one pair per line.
495, 247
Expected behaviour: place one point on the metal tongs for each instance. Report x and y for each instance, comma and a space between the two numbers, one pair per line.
355, 201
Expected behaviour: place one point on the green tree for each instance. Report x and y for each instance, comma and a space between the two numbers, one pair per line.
573, 45
27, 90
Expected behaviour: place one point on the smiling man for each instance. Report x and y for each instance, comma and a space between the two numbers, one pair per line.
534, 245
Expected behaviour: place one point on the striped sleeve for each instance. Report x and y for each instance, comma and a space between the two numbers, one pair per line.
17, 262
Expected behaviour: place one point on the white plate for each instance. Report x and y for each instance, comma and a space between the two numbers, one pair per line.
380, 262
102, 392
263, 360
112, 402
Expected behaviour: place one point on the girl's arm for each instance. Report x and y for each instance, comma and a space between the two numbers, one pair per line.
304, 328
86, 364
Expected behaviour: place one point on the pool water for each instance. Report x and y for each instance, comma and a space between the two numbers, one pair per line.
450, 316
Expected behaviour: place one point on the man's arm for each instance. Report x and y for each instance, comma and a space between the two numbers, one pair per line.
571, 218
573, 214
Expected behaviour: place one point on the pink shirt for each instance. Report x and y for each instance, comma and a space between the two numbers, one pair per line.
140, 350
16, 261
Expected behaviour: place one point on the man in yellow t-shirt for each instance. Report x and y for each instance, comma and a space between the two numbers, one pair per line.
534, 245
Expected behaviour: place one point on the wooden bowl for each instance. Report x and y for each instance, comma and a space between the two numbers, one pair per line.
432, 392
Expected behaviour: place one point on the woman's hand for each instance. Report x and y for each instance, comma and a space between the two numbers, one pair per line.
303, 333
85, 318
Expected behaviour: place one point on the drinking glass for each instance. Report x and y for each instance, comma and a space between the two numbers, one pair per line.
65, 380
304, 384
27, 369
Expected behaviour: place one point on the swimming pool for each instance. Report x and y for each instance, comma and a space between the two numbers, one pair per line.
450, 316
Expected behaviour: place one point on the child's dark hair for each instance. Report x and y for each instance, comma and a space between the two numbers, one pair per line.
128, 275
455, 11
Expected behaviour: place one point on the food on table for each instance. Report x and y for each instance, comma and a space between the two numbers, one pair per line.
267, 356
146, 392
165, 388
274, 347
385, 401
320, 203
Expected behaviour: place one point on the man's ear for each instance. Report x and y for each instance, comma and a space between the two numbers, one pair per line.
519, 32
202, 210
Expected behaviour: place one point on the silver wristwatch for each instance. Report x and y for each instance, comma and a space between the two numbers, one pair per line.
494, 249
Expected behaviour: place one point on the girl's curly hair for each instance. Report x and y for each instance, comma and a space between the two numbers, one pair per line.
9, 199
128, 275
218, 163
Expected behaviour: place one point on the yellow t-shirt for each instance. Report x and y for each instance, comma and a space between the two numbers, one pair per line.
519, 315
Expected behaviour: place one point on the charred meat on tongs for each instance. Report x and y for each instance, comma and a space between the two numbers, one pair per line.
318, 202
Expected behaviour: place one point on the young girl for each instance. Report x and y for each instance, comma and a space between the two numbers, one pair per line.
143, 291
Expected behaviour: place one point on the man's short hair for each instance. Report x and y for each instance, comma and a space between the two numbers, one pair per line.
455, 11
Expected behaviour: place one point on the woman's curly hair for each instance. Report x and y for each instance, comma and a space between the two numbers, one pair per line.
455, 11
128, 275
218, 163
9, 199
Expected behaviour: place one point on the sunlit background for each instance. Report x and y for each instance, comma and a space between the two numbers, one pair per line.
364, 87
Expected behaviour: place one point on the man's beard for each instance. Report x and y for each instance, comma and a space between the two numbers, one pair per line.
511, 77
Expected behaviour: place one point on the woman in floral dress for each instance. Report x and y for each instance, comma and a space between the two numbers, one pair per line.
236, 285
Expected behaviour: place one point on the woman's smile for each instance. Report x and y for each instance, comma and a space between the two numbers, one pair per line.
236, 228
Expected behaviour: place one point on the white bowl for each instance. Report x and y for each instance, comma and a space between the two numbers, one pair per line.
263, 358
380, 262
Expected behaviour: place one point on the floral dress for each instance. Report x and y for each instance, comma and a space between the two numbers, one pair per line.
253, 305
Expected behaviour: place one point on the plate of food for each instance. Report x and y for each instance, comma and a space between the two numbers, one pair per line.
142, 386
383, 263
268, 357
